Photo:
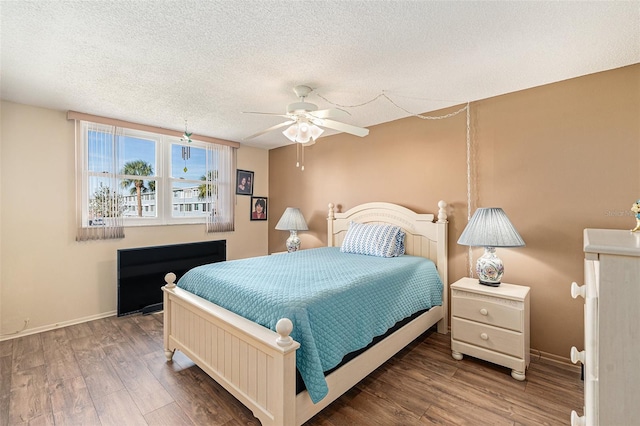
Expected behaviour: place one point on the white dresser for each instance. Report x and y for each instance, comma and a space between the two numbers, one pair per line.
611, 354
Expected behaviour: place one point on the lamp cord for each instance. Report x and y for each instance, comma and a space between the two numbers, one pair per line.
384, 95
24, 327
466, 108
470, 253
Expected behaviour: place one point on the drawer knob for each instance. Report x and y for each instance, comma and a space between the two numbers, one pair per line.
577, 420
578, 290
484, 312
576, 355
484, 336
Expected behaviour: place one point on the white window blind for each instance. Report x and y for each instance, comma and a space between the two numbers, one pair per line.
100, 200
220, 188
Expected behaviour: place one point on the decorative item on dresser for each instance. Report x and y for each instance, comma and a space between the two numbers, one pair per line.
491, 323
490, 228
612, 334
635, 208
292, 221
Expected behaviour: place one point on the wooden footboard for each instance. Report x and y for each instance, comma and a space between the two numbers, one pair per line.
258, 366
253, 363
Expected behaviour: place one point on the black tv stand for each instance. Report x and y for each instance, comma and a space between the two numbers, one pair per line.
149, 309
141, 271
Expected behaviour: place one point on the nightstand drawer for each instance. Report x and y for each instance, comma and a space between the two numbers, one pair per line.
500, 313
492, 338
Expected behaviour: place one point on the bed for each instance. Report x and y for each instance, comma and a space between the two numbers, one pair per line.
258, 365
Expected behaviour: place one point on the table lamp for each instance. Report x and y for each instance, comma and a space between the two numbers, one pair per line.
292, 221
490, 228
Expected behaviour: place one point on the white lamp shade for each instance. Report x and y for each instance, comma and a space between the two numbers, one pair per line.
292, 220
490, 227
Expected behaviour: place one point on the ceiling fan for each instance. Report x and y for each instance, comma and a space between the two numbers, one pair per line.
305, 120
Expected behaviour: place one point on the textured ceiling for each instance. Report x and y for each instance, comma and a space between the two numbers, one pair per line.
161, 62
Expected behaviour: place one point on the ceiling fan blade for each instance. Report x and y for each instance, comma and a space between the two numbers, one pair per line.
342, 127
331, 112
267, 113
277, 126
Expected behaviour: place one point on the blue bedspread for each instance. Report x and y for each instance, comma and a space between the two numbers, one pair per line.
338, 302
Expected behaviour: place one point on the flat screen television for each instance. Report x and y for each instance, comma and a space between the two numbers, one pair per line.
141, 271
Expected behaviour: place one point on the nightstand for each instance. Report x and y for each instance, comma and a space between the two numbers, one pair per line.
491, 323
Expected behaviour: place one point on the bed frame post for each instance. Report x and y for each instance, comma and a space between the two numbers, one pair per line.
331, 217
442, 265
170, 279
284, 376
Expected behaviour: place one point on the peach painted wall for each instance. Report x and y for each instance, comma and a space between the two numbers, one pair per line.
557, 158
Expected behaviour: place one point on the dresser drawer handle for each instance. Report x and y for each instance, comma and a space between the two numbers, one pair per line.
484, 312
578, 290
576, 355
484, 336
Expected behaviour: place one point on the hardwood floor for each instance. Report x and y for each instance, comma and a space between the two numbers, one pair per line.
113, 371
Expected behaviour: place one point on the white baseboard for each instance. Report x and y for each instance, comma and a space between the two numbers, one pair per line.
564, 362
43, 328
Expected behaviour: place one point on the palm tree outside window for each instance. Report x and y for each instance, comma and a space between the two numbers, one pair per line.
138, 186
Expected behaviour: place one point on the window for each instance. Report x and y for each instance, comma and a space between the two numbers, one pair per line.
131, 177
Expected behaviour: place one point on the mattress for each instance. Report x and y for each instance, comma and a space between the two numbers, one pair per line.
338, 302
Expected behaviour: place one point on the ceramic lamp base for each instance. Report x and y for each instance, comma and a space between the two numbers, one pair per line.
490, 284
293, 242
490, 268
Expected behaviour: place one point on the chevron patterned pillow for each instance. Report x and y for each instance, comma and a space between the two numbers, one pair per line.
399, 243
373, 240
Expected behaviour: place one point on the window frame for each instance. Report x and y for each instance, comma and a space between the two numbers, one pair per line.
162, 176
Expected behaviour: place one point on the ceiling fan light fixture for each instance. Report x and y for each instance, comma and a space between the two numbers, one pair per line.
315, 132
291, 132
302, 132
314, 120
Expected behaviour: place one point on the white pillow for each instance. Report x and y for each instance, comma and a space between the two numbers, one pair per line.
374, 240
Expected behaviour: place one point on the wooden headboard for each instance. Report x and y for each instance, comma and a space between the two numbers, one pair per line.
424, 236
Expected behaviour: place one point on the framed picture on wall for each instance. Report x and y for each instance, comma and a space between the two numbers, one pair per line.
259, 208
244, 182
